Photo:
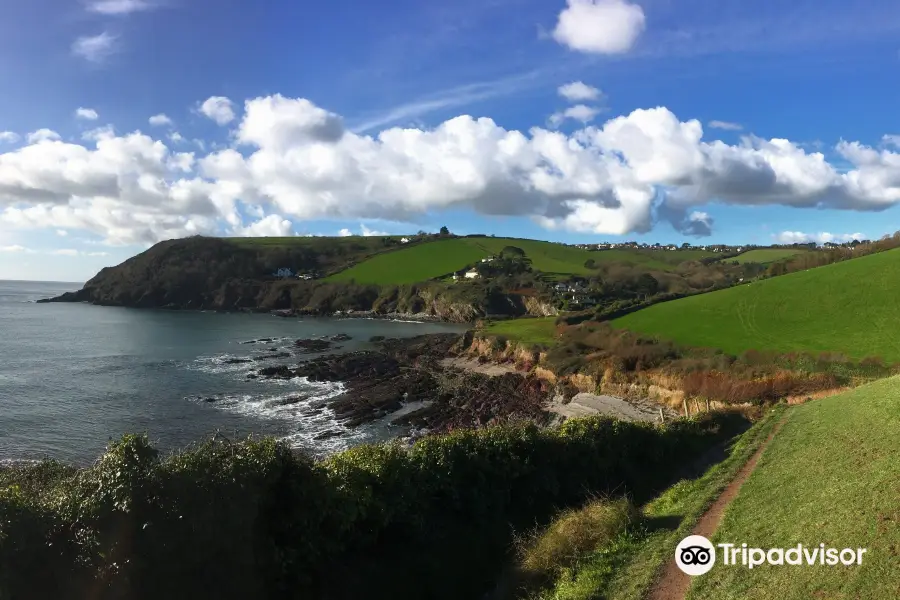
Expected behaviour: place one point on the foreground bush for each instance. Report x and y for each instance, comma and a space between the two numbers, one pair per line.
572, 535
256, 520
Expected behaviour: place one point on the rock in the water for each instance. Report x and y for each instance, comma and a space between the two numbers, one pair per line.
312, 345
237, 361
328, 434
341, 337
376, 338
281, 372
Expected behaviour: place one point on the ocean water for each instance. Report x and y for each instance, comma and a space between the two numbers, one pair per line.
74, 376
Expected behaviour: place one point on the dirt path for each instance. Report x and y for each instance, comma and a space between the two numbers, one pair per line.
673, 584
583, 404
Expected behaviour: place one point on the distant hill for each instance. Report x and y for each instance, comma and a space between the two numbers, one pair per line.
441, 257
765, 256
850, 307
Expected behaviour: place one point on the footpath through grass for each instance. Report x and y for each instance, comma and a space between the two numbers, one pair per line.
849, 307
830, 476
625, 568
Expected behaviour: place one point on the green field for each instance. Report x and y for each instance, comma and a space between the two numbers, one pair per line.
441, 257
829, 476
765, 256
849, 307
538, 330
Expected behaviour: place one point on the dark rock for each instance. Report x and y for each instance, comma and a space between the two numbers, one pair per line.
279, 372
341, 337
237, 361
252, 376
271, 356
376, 338
312, 345
328, 434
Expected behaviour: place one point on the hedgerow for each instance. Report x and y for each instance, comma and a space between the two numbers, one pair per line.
254, 519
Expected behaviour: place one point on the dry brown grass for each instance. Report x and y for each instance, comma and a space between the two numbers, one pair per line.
574, 534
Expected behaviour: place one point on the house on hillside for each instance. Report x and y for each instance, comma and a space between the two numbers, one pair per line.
404, 240
283, 273
305, 276
471, 274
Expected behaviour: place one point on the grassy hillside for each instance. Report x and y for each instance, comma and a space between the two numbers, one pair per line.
435, 259
849, 307
845, 447
765, 256
540, 330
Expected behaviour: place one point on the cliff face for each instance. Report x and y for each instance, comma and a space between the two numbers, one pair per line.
216, 274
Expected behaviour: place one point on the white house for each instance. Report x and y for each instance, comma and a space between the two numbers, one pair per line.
471, 274
404, 240
284, 273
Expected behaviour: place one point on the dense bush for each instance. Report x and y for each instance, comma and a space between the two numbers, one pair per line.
254, 519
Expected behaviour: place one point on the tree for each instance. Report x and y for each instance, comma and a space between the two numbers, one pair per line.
512, 252
647, 285
445, 231
590, 264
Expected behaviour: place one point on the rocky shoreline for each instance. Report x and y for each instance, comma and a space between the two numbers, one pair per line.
403, 379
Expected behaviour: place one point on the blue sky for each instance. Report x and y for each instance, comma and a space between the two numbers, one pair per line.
324, 80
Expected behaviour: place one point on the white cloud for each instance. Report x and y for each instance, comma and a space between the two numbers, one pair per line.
96, 253
579, 112
726, 125
298, 163
219, 109
65, 252
270, 226
345, 232
42, 135
62, 232
8, 137
371, 232
578, 91
14, 248
160, 120
118, 7
95, 48
175, 137
99, 133
88, 114
599, 26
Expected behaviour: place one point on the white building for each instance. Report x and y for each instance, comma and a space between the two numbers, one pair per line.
404, 240
471, 274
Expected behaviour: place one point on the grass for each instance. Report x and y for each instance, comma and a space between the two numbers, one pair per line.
530, 330
849, 307
830, 476
765, 256
625, 568
438, 258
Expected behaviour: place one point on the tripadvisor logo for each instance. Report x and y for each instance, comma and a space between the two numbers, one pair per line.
696, 555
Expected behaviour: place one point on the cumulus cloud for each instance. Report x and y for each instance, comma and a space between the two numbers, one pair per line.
580, 112
799, 237
345, 232
118, 7
159, 120
599, 26
726, 125
13, 248
295, 161
218, 108
42, 135
578, 91
99, 133
270, 226
62, 232
65, 252
8, 137
88, 114
95, 48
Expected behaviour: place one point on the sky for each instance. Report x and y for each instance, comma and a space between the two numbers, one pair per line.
128, 122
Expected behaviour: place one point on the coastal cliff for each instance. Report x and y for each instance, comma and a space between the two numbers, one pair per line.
216, 274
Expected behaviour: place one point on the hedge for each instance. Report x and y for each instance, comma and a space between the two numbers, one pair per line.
255, 519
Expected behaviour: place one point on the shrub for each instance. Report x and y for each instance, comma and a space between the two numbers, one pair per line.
255, 519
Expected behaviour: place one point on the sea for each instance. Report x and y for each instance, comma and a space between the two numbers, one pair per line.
73, 377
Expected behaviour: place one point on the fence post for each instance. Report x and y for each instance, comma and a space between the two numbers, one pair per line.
662, 416
684, 402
